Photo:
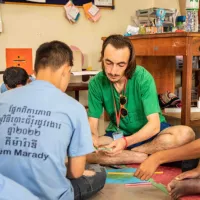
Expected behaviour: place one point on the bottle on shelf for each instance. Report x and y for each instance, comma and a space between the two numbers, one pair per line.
198, 103
192, 8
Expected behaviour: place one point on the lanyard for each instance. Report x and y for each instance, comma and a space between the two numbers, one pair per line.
117, 114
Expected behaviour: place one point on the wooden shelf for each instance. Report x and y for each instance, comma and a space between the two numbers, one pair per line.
194, 100
162, 48
195, 117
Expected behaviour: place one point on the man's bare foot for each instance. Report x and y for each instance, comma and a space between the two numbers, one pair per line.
182, 188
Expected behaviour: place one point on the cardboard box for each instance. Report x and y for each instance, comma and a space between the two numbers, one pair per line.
77, 67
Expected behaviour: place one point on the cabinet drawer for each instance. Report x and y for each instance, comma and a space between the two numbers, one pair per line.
160, 46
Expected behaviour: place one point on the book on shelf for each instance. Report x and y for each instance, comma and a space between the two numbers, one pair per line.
178, 110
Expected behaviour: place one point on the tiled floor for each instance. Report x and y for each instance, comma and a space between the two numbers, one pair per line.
122, 192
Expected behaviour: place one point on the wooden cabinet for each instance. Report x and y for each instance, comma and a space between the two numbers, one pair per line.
157, 53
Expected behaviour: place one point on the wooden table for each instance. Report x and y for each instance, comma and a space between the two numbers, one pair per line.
157, 53
76, 87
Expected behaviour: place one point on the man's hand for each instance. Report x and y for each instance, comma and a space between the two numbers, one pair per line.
95, 140
117, 147
195, 173
147, 168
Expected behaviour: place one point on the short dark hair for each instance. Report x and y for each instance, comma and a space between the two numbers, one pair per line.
53, 54
119, 42
14, 76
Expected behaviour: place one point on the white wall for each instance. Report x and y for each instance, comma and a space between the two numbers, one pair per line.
29, 26
166, 3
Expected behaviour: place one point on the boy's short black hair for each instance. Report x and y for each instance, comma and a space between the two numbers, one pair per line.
14, 76
53, 54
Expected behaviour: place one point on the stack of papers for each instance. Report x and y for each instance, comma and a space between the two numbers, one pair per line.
81, 73
72, 12
178, 110
92, 12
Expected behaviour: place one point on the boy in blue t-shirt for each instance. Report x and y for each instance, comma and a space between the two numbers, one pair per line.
14, 77
40, 126
10, 190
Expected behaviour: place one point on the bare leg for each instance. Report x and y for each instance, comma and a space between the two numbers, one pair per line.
171, 137
185, 187
126, 157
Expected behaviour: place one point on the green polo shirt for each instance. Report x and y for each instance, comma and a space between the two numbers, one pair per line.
142, 100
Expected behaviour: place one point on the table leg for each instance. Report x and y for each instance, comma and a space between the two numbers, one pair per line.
163, 70
187, 86
77, 95
197, 78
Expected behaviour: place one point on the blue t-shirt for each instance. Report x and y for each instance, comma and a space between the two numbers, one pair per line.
3, 87
39, 127
10, 190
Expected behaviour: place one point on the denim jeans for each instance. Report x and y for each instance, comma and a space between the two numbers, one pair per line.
163, 125
86, 186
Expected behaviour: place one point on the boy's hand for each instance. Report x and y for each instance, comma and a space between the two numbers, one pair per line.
95, 140
147, 168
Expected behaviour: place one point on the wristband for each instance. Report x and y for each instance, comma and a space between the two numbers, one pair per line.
126, 145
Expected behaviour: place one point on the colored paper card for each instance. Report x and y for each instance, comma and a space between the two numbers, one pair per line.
122, 176
93, 10
86, 7
73, 12
76, 19
67, 8
96, 17
89, 7
159, 186
19, 57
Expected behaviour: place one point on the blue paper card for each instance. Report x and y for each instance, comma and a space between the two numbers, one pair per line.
122, 176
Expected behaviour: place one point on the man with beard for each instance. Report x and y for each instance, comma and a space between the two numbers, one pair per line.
128, 94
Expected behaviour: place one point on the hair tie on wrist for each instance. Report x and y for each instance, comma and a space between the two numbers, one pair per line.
125, 142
